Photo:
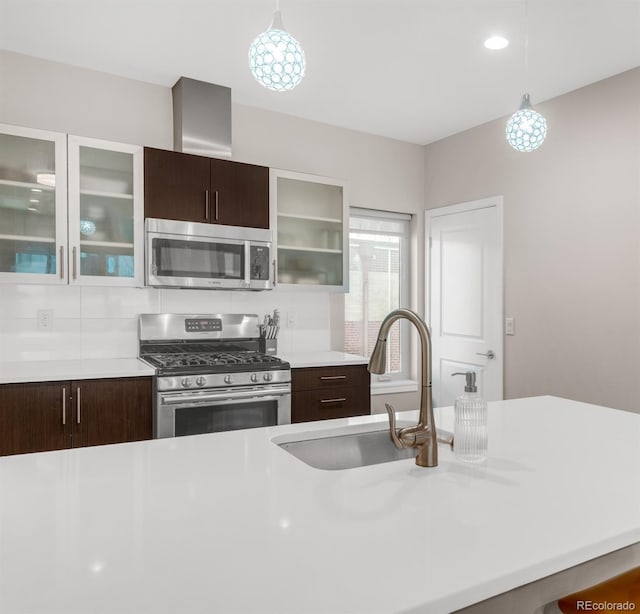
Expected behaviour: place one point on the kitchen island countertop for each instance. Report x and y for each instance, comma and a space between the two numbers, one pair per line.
232, 523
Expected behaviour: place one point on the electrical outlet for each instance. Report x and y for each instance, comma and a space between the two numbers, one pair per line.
509, 326
45, 319
291, 319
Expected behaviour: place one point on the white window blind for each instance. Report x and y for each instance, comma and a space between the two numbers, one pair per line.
378, 273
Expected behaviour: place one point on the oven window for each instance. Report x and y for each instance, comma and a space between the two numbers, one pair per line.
216, 418
175, 258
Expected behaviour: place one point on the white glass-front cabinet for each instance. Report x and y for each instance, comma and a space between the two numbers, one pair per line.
105, 213
33, 205
87, 232
310, 220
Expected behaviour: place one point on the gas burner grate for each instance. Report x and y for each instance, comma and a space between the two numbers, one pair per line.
206, 359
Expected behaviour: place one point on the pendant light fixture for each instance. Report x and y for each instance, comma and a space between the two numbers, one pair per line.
276, 58
526, 128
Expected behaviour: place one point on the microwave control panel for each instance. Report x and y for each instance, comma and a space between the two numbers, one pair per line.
202, 325
259, 262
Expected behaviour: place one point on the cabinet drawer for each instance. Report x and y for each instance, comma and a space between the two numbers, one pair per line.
339, 402
322, 378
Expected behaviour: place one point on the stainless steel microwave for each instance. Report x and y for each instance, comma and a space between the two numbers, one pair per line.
193, 255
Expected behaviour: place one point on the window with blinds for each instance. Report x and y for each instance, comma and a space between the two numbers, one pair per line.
378, 273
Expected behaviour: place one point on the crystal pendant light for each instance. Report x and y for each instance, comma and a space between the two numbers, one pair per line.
526, 129
276, 58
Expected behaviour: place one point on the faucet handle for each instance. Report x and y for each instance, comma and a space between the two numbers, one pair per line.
392, 426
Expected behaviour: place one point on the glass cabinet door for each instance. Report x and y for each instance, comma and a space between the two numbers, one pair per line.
105, 212
33, 194
310, 223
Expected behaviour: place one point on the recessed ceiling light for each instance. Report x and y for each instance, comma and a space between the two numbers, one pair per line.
496, 42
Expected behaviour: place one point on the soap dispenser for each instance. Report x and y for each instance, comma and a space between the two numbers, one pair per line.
470, 423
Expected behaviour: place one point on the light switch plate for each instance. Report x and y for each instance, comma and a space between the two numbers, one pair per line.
509, 326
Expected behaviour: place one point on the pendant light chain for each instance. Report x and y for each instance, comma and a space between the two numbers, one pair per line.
526, 43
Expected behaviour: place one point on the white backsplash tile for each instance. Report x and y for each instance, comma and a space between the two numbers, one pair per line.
102, 322
101, 302
24, 300
21, 340
195, 301
253, 302
285, 340
110, 338
310, 340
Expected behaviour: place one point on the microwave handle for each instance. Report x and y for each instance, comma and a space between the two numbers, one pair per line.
247, 264
274, 272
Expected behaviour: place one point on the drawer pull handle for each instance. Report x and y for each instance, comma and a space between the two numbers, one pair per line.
333, 400
333, 377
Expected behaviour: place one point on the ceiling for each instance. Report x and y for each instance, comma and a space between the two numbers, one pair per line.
414, 70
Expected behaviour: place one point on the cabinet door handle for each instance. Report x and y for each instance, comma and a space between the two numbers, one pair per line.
333, 400
333, 377
64, 406
206, 205
74, 264
216, 205
78, 405
62, 262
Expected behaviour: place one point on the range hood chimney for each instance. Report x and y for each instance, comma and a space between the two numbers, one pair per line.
201, 118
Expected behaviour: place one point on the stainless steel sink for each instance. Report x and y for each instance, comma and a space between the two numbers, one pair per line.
346, 451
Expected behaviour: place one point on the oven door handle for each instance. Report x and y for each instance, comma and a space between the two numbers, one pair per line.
225, 397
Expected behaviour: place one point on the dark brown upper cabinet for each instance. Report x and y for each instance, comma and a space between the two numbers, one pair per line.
179, 186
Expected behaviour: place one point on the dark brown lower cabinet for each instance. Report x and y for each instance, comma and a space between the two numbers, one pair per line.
111, 411
36, 417
323, 393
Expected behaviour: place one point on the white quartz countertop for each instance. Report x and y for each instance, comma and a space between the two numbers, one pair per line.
57, 370
232, 523
321, 359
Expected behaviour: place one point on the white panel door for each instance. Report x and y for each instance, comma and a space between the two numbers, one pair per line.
464, 297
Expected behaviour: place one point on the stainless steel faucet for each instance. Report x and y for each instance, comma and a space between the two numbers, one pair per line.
423, 435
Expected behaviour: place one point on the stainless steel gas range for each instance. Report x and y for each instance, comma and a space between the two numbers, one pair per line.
210, 375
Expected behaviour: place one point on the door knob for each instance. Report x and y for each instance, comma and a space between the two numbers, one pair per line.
490, 354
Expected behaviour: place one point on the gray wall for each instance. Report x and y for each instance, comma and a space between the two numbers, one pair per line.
572, 239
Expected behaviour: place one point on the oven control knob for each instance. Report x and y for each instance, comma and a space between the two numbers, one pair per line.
228, 379
186, 382
254, 377
267, 377
201, 381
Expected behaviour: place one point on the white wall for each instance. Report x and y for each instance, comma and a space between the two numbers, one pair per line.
383, 174
572, 239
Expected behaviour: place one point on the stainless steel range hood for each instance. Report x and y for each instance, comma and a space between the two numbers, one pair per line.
201, 118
